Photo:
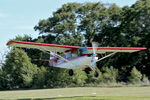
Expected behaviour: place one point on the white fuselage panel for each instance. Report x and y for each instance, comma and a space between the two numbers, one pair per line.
75, 63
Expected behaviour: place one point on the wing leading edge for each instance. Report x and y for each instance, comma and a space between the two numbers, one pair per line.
42, 46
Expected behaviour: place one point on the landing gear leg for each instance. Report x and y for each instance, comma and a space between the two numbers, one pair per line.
71, 72
87, 70
96, 74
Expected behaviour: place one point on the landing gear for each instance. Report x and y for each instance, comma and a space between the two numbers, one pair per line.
96, 74
87, 70
71, 72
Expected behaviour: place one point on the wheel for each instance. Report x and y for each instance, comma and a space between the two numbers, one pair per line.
87, 70
96, 74
71, 72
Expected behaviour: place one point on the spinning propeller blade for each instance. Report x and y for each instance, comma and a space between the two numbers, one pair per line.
94, 45
93, 62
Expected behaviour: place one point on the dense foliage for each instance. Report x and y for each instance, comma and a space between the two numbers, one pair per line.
77, 24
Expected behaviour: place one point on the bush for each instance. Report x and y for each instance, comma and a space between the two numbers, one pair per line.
135, 76
19, 68
110, 75
94, 80
40, 77
79, 77
27, 74
5, 80
59, 77
145, 80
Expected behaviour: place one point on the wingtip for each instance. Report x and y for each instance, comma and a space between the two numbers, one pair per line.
10, 42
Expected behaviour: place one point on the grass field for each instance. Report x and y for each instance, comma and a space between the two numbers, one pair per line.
86, 93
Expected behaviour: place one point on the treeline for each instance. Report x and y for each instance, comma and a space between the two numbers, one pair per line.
77, 24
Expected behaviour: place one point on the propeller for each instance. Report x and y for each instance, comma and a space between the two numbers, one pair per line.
94, 45
94, 58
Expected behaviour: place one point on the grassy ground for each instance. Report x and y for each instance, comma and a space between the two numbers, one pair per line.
100, 98
86, 93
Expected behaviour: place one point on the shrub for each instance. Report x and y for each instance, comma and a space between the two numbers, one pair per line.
110, 75
19, 68
79, 77
5, 80
145, 80
135, 76
94, 80
40, 77
59, 77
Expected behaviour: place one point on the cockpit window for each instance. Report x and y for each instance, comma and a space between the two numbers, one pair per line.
68, 55
74, 53
83, 50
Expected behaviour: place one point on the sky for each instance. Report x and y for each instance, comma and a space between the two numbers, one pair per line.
18, 17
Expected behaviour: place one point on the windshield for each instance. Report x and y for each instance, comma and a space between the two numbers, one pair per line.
83, 50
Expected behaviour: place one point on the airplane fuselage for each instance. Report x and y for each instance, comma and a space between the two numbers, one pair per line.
77, 62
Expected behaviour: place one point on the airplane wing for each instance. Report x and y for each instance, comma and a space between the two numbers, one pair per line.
115, 49
65, 48
42, 46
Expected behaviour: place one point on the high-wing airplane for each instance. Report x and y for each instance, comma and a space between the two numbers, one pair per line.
76, 57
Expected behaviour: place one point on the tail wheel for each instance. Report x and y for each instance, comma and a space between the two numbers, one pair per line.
71, 72
96, 74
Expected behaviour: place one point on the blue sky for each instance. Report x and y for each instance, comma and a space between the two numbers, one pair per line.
18, 17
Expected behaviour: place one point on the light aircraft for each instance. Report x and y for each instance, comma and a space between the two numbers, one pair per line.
76, 57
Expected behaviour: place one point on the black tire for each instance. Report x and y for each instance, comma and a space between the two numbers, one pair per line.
87, 70
71, 72
96, 74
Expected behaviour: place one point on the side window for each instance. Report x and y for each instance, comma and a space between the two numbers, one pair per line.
68, 55
74, 53
83, 50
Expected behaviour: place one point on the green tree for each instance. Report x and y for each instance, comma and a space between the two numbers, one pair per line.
58, 77
92, 18
18, 65
40, 77
23, 38
62, 25
136, 25
145, 80
135, 76
6, 80
94, 80
79, 78
110, 34
110, 74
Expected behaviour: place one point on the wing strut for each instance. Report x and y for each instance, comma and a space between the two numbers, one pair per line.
104, 57
56, 55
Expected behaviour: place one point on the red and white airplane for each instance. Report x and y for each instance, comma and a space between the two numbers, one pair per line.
76, 57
